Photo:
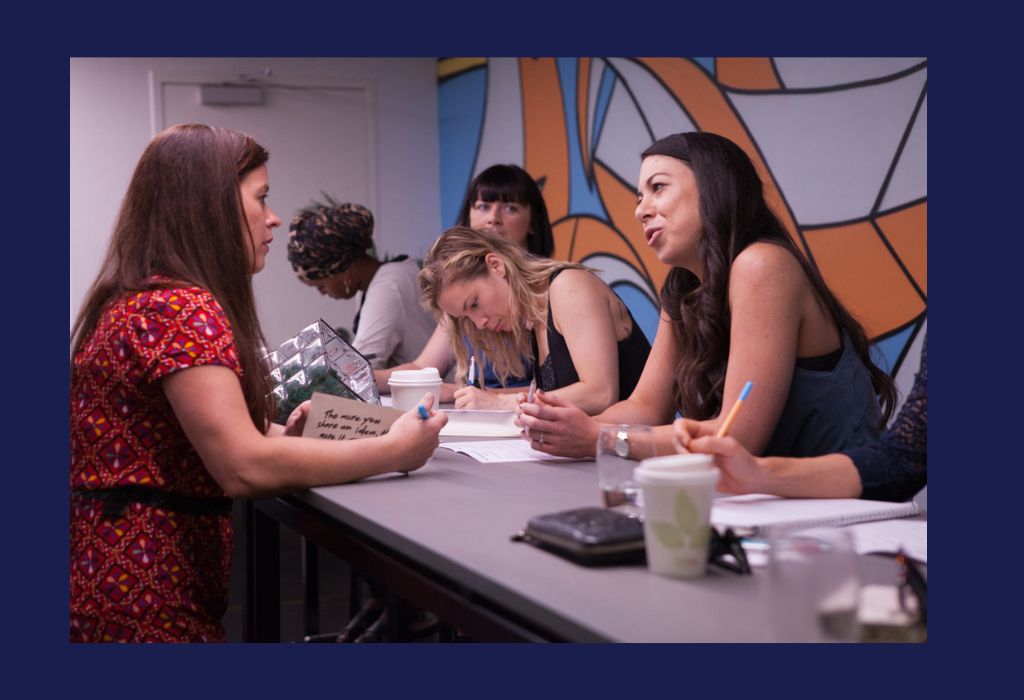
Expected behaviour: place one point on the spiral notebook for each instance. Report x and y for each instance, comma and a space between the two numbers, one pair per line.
758, 513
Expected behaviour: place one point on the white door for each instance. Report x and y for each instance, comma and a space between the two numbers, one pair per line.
320, 137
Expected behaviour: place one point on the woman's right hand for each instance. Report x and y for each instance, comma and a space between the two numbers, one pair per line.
469, 397
556, 426
413, 439
741, 471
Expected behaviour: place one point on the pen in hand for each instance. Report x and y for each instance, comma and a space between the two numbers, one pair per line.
472, 370
529, 399
735, 410
422, 411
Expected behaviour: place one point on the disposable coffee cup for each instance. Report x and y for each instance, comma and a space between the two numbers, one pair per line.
409, 385
677, 493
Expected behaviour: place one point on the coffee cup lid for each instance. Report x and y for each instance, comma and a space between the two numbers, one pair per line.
677, 469
427, 375
682, 462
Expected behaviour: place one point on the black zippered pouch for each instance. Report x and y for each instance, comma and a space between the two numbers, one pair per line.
591, 536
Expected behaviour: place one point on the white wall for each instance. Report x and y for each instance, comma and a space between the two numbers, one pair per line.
112, 120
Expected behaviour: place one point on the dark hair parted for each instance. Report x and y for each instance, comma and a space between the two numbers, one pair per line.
733, 214
182, 221
510, 183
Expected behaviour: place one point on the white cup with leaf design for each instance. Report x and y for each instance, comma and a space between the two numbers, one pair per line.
677, 493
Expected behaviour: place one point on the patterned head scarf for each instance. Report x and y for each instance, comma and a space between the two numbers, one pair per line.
324, 239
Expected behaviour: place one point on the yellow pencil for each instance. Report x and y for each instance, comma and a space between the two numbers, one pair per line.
735, 410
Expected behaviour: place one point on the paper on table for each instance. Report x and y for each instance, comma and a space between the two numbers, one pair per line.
888, 536
472, 423
502, 451
762, 513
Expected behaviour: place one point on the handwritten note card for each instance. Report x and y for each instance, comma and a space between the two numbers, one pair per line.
335, 418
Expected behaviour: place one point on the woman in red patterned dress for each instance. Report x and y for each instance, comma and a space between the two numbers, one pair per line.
170, 409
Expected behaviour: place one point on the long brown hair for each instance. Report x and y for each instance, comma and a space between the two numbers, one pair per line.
459, 255
181, 221
734, 215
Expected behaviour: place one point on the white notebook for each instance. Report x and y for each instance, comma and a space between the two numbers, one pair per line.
474, 423
760, 514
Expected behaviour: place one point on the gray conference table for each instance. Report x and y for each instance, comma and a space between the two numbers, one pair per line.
440, 539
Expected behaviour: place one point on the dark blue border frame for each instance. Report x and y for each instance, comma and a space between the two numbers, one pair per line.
965, 194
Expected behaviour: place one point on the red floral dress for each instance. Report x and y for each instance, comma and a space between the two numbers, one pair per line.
146, 572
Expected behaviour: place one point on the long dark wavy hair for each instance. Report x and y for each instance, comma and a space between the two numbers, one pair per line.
510, 183
734, 214
181, 221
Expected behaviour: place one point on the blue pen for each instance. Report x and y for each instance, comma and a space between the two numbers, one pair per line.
422, 410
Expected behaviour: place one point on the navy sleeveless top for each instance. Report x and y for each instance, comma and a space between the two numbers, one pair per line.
827, 411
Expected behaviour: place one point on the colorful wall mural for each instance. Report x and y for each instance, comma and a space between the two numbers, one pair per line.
841, 144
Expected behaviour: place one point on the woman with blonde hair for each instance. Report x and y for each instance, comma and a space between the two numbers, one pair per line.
511, 305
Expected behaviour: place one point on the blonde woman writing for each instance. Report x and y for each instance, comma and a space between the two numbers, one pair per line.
511, 305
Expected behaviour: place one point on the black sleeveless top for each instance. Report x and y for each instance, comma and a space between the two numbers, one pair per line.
558, 369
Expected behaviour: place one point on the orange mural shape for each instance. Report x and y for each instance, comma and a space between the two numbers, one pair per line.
907, 232
583, 110
620, 203
861, 271
584, 236
747, 73
544, 134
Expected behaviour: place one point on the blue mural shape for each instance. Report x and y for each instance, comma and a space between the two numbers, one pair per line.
885, 353
644, 311
460, 106
583, 199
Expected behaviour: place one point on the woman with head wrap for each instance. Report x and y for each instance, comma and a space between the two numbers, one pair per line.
330, 247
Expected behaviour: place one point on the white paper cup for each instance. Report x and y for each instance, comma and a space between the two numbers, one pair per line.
677, 492
409, 385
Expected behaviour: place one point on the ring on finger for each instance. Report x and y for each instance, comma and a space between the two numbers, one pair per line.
541, 438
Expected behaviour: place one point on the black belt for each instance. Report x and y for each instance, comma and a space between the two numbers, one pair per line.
117, 499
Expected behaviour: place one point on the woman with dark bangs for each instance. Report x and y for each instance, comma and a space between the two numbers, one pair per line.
740, 304
170, 406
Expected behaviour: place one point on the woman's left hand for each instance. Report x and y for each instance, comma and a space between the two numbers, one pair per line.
297, 420
471, 397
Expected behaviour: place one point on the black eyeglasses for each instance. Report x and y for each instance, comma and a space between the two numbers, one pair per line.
725, 551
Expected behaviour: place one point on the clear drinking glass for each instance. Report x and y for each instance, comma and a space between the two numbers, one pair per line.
814, 590
620, 448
